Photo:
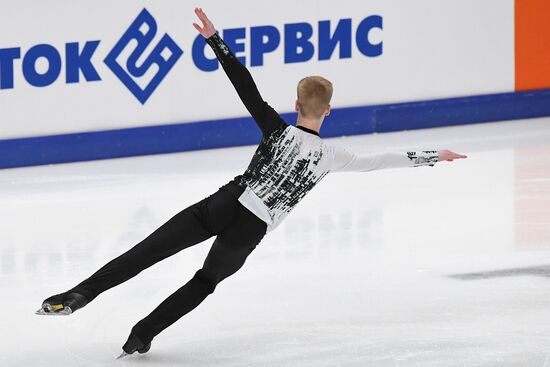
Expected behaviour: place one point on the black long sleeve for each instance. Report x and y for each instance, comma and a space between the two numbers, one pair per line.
265, 116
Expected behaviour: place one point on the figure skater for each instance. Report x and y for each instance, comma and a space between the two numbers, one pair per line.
287, 164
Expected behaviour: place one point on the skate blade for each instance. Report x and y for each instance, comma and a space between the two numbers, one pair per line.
124, 354
54, 310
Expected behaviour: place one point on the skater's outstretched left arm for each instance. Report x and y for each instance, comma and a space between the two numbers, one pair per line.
346, 161
265, 116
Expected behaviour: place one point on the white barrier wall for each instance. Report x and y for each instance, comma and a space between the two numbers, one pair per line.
429, 49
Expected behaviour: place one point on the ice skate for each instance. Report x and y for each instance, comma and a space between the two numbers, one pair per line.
62, 304
132, 345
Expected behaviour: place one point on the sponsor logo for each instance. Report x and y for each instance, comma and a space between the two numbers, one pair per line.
142, 71
298, 42
131, 72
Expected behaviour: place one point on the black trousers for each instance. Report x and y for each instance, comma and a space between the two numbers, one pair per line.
237, 232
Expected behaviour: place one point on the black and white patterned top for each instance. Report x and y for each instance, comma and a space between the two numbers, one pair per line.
290, 160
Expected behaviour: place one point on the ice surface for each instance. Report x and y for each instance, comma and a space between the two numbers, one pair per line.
443, 266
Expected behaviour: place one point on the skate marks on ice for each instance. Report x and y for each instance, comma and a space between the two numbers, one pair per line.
350, 344
541, 271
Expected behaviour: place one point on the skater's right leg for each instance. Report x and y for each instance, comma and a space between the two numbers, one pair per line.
193, 225
226, 256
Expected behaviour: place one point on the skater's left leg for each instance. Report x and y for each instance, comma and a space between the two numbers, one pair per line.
192, 225
227, 256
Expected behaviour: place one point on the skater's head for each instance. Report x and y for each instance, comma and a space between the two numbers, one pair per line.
314, 95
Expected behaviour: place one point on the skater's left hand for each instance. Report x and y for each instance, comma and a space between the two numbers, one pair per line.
447, 155
207, 30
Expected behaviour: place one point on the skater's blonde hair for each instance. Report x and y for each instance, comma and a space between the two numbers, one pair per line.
314, 95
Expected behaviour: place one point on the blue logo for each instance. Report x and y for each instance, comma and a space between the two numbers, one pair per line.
142, 71
132, 71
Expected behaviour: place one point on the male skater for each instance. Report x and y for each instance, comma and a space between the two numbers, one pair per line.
288, 163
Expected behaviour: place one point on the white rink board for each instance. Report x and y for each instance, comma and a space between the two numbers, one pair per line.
431, 49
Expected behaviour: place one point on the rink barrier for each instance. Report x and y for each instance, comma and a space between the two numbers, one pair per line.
243, 131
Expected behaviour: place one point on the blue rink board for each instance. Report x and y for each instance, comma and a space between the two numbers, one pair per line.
243, 131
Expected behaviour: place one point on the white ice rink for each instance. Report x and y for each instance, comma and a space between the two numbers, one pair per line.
442, 266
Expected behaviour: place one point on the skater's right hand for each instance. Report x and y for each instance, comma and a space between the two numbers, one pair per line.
207, 30
447, 155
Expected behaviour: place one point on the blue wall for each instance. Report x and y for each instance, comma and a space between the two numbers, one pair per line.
243, 131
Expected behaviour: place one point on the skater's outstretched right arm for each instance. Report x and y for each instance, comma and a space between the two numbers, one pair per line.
345, 160
265, 116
